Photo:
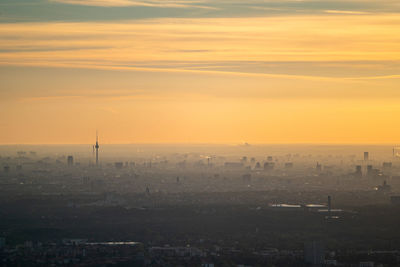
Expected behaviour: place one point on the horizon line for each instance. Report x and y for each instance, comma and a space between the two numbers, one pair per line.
243, 144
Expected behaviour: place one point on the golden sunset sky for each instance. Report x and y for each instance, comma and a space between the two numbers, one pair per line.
199, 71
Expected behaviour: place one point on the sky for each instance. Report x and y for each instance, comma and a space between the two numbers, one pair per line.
200, 71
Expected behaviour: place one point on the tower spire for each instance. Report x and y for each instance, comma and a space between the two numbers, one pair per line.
97, 148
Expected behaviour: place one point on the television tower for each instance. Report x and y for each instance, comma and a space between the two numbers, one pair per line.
97, 149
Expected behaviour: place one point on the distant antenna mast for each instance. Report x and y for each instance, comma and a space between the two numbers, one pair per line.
97, 148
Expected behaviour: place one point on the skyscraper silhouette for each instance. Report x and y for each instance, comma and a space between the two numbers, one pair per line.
70, 161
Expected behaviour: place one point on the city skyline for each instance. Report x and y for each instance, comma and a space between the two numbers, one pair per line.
199, 133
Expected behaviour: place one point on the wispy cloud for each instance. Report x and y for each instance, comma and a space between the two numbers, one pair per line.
172, 45
255, 68
86, 94
144, 3
346, 12
50, 98
77, 10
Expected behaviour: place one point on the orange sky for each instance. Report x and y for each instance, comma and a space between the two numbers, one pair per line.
326, 78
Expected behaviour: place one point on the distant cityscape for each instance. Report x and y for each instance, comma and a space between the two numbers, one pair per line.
199, 133
138, 205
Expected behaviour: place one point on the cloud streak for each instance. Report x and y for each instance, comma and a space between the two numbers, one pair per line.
252, 68
168, 44
346, 12
282, 6
145, 3
94, 10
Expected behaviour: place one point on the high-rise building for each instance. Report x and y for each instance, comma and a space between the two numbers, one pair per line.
6, 169
233, 165
314, 253
119, 165
288, 165
387, 165
268, 166
358, 172
396, 152
369, 170
319, 167
70, 160
366, 156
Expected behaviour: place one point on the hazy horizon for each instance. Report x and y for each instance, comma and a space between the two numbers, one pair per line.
204, 133
238, 144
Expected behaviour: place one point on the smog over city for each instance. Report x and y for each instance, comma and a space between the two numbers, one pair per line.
199, 133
